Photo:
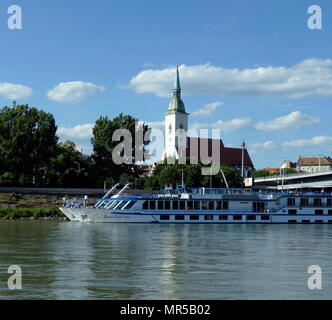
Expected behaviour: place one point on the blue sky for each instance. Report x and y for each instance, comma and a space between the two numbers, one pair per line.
251, 68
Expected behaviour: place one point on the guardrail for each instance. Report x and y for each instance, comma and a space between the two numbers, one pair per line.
293, 175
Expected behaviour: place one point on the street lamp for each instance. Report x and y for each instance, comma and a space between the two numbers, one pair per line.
319, 166
283, 173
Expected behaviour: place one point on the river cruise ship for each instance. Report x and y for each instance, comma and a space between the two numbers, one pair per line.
205, 206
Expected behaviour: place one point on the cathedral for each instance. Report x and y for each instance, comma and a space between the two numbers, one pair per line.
179, 145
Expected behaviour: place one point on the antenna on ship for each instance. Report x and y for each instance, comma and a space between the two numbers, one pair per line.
224, 177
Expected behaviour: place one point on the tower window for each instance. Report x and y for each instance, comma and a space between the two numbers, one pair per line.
181, 126
170, 128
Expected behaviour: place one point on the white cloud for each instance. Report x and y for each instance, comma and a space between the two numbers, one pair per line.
14, 91
319, 141
224, 126
208, 109
75, 91
231, 125
80, 132
309, 78
257, 148
156, 125
295, 120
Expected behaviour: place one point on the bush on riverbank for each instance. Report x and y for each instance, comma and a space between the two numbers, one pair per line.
21, 213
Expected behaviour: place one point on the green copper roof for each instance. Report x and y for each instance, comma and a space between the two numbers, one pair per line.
177, 85
177, 104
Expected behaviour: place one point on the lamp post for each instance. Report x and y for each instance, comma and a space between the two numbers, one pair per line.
319, 162
242, 164
282, 173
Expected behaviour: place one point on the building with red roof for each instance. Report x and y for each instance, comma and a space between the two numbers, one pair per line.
198, 150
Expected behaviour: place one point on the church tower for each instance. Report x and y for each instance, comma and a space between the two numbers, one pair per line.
176, 124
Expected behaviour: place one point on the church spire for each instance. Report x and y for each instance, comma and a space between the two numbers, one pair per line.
177, 85
177, 104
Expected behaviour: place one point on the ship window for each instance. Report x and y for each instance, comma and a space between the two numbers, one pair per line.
160, 205
291, 202
330, 212
145, 205
190, 205
317, 202
130, 205
329, 202
178, 217
110, 204
330, 221
225, 205
121, 205
304, 202
251, 218
176, 205
182, 205
305, 221
223, 217
218, 205
208, 218
211, 205
105, 204
318, 212
167, 205
113, 205
265, 218
194, 218
292, 211
152, 205
292, 221
196, 205
164, 217
237, 218
258, 206
319, 221
204, 205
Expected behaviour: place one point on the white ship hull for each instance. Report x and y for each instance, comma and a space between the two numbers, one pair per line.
99, 215
92, 215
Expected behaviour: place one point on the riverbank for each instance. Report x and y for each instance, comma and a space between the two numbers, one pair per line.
31, 214
32, 204
30, 207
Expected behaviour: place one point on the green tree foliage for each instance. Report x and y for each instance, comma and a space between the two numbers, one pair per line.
261, 173
265, 173
69, 168
171, 176
104, 146
30, 155
27, 142
289, 171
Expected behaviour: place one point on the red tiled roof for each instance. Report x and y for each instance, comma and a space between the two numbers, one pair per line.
229, 156
315, 161
272, 170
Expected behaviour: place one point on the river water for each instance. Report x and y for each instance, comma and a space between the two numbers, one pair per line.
62, 260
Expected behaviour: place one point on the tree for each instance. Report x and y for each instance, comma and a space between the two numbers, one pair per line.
261, 173
104, 146
27, 141
69, 168
171, 176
